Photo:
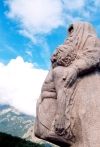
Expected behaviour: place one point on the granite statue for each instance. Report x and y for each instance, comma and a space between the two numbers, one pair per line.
68, 109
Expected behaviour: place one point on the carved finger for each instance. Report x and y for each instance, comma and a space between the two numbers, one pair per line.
71, 82
67, 83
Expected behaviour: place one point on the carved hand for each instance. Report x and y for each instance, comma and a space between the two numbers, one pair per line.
59, 125
70, 76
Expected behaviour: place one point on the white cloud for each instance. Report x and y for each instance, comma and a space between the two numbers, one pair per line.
36, 19
39, 17
97, 2
20, 85
9, 48
36, 16
73, 5
29, 53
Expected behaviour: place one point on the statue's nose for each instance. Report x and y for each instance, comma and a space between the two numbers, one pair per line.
53, 59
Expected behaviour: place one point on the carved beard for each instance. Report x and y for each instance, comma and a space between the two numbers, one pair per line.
64, 55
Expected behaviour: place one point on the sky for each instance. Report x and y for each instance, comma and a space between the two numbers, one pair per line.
30, 30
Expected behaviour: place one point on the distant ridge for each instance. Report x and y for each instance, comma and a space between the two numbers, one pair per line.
4, 107
15, 123
18, 124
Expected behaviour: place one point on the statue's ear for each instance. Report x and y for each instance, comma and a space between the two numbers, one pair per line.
70, 29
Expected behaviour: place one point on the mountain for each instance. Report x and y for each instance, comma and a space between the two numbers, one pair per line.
2, 107
18, 124
15, 123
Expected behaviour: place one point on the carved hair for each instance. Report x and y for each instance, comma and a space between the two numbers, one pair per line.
64, 55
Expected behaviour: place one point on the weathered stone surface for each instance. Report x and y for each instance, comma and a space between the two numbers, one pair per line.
68, 109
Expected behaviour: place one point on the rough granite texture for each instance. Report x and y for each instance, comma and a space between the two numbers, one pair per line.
68, 109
